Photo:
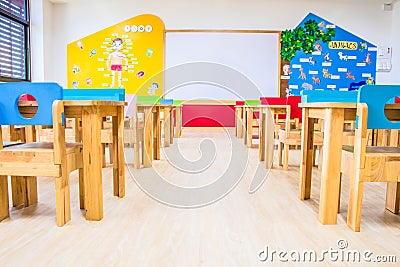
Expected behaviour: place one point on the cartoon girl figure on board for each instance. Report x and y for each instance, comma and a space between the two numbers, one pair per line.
114, 61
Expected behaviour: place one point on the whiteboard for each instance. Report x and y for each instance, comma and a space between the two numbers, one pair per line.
221, 65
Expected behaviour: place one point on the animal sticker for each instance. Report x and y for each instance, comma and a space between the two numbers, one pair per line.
326, 57
312, 61
325, 73
307, 86
341, 56
368, 59
316, 80
349, 76
302, 74
286, 69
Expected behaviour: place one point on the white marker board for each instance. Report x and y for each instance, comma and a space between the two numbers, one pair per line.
242, 57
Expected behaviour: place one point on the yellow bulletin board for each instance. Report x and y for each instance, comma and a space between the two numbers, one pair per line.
142, 48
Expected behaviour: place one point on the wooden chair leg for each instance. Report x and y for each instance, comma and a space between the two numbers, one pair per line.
280, 146
320, 156
24, 190
81, 190
111, 153
314, 156
355, 204
4, 208
286, 157
393, 197
340, 190
103, 147
63, 209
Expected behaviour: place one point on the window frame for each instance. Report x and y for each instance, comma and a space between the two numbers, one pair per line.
27, 40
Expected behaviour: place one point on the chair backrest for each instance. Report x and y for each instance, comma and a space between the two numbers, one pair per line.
376, 97
295, 111
354, 86
44, 93
273, 100
166, 101
178, 102
239, 103
94, 94
252, 102
309, 96
148, 100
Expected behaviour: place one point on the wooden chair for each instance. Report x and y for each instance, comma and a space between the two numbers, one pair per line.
279, 119
56, 159
289, 136
364, 163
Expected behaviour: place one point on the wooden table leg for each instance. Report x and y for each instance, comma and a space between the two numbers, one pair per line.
92, 159
156, 133
393, 197
119, 158
250, 120
331, 164
136, 147
393, 188
167, 126
307, 133
261, 133
4, 208
171, 126
269, 139
148, 137
244, 126
178, 115
239, 122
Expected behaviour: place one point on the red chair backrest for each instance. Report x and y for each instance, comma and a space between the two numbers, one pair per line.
274, 101
295, 111
397, 99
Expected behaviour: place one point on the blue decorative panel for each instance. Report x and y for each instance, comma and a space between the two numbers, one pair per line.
332, 65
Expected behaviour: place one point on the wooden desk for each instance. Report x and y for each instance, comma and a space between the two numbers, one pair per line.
267, 130
91, 113
334, 115
239, 121
152, 131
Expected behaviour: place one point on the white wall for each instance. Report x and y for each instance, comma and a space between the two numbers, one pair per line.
395, 73
37, 40
77, 18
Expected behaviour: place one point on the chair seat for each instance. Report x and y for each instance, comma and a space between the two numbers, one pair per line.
7, 143
376, 149
40, 147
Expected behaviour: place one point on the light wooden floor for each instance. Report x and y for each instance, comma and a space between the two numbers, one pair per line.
139, 231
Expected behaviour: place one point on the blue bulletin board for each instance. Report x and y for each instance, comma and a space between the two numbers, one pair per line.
332, 65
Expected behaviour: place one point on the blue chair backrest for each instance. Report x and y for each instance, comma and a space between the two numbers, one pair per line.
376, 96
310, 96
94, 94
44, 93
166, 101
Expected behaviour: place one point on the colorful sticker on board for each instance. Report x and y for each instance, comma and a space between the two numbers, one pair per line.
89, 81
143, 46
149, 52
80, 45
92, 53
140, 74
116, 60
152, 89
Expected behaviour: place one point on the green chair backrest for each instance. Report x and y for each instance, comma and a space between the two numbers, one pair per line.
148, 100
252, 102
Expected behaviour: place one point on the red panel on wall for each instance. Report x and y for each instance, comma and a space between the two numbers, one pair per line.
208, 116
